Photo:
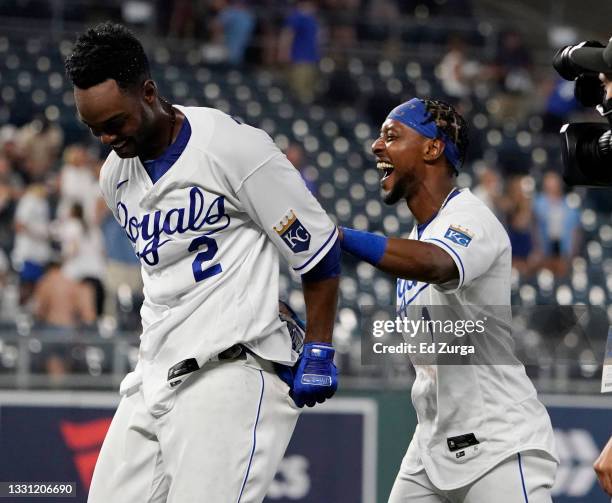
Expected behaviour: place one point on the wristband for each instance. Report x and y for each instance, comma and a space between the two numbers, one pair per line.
364, 245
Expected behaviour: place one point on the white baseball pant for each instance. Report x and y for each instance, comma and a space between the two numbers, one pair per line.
521, 478
221, 441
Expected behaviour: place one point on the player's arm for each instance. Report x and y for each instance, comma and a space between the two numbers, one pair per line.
314, 377
319, 296
275, 196
320, 287
457, 248
270, 194
404, 258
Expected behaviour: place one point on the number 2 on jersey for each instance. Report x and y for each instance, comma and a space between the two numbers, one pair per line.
211, 249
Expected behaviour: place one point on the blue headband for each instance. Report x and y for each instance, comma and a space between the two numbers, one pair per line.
414, 115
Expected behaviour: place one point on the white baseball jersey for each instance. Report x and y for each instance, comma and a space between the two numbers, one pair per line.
208, 234
496, 403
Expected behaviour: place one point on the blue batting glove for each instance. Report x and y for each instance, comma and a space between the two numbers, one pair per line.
315, 375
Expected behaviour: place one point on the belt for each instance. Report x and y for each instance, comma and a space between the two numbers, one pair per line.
235, 352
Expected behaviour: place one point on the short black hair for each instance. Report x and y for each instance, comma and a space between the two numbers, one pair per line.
451, 122
107, 51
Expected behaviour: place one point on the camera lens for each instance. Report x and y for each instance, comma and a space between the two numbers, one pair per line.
565, 67
564, 61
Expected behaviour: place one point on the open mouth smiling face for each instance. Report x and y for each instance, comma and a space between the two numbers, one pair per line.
386, 168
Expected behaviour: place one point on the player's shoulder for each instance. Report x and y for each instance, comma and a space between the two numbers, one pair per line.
474, 211
219, 132
201, 116
206, 119
468, 203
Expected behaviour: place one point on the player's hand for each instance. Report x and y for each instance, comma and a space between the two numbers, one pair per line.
603, 468
315, 375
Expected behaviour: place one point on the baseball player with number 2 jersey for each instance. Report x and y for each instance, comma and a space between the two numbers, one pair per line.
482, 434
208, 204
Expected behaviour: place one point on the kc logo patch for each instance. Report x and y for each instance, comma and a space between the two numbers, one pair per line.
293, 233
459, 235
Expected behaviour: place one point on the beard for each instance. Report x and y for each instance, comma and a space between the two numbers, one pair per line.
398, 191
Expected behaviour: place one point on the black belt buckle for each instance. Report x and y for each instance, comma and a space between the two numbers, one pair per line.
191, 365
182, 368
234, 352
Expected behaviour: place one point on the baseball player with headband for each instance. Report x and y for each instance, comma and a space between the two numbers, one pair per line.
208, 204
482, 434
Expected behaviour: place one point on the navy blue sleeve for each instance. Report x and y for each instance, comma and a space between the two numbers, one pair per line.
328, 266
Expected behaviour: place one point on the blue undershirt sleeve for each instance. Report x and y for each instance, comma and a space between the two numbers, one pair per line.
328, 266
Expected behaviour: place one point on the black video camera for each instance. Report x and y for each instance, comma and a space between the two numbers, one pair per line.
587, 147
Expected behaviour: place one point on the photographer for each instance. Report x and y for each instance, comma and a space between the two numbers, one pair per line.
586, 148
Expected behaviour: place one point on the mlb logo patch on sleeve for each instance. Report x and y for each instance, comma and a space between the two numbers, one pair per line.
293, 233
459, 235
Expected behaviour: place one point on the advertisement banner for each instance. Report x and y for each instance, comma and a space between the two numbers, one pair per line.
338, 454
56, 437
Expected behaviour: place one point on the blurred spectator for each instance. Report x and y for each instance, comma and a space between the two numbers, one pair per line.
489, 190
182, 19
82, 247
236, 23
61, 302
341, 16
299, 46
78, 184
513, 73
10, 149
61, 305
517, 208
10, 191
558, 225
39, 142
8, 304
381, 21
295, 154
267, 31
31, 250
514, 64
456, 71
4, 270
